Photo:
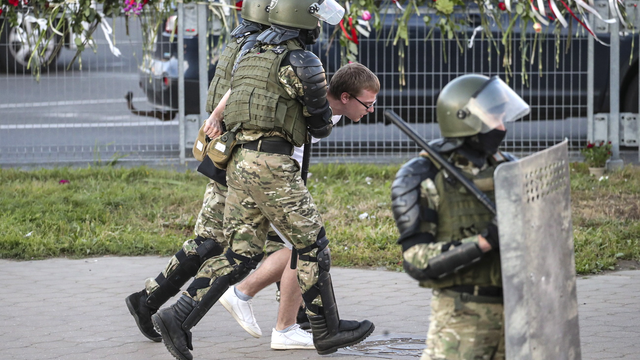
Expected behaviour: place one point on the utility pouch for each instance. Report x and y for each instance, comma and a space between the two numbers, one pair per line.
201, 144
220, 148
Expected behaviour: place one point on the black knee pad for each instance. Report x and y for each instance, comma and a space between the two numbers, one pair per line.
324, 254
207, 248
187, 268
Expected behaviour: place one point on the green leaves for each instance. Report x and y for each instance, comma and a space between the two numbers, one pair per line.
444, 6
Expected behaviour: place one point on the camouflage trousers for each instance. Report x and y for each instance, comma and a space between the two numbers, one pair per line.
208, 225
460, 330
266, 188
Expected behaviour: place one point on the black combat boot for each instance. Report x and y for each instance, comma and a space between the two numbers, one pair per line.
141, 312
349, 332
169, 323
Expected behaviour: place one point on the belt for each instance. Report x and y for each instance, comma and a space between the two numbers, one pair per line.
492, 291
280, 146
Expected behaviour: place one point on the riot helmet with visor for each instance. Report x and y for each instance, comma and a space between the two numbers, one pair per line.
304, 14
473, 104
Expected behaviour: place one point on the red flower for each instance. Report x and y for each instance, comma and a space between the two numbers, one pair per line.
14, 2
502, 6
0, 11
590, 145
63, 181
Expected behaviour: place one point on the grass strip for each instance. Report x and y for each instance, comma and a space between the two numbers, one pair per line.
105, 210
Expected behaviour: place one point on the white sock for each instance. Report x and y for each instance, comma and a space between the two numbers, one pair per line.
286, 330
242, 296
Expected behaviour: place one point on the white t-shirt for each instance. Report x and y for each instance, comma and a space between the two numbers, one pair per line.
297, 154
298, 151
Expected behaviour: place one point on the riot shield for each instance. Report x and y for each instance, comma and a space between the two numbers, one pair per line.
537, 258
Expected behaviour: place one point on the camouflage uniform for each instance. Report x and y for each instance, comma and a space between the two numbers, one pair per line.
210, 219
462, 326
264, 181
464, 330
247, 218
450, 238
268, 187
208, 225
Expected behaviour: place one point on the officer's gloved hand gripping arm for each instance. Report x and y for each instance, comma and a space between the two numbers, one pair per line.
309, 70
416, 219
490, 235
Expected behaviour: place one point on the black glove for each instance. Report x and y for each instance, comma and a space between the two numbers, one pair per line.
491, 234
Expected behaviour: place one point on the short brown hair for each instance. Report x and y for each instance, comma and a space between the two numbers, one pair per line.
353, 78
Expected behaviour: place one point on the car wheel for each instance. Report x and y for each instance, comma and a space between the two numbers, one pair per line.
630, 101
18, 43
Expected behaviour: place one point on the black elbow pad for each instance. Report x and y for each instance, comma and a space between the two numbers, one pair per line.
320, 124
321, 132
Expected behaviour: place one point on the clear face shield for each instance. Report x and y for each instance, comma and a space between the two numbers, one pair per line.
496, 104
328, 11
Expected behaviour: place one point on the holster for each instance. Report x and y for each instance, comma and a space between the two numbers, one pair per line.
221, 148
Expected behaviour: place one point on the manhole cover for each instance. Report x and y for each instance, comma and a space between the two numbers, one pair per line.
390, 345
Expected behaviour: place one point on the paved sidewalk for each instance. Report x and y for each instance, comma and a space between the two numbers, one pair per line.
74, 309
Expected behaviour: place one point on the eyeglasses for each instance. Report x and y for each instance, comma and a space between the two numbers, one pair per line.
363, 104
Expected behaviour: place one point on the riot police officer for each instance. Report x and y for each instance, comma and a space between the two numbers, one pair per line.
278, 100
449, 240
209, 240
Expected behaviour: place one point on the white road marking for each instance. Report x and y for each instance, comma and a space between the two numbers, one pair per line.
68, 102
87, 125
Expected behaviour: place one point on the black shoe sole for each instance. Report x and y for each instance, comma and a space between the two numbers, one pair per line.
162, 329
335, 348
132, 310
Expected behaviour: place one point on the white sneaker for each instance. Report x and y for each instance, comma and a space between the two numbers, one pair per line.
295, 338
241, 311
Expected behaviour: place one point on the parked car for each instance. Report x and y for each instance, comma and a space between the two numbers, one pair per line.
159, 74
18, 43
560, 92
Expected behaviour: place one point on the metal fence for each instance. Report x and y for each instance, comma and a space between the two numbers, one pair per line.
76, 113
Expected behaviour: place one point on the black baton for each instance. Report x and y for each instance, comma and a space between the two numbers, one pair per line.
399, 122
306, 157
